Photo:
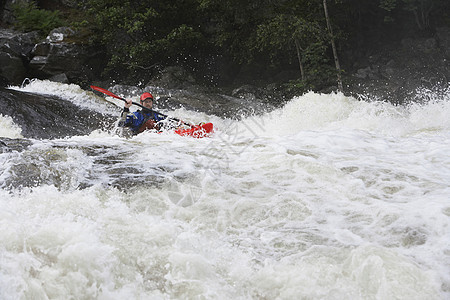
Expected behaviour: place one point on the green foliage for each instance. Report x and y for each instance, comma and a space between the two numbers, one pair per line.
30, 18
388, 5
272, 36
279, 35
320, 72
421, 10
142, 35
233, 26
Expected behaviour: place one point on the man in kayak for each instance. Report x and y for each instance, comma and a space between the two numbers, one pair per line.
144, 119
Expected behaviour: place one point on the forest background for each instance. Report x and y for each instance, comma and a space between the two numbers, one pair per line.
299, 45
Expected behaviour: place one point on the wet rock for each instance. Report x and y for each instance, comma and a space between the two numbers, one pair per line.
396, 73
367, 72
9, 145
21, 56
60, 78
41, 49
15, 50
388, 71
247, 91
59, 55
443, 37
174, 77
11, 68
424, 45
59, 34
3, 81
49, 117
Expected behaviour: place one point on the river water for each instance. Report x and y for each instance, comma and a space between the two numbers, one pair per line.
327, 197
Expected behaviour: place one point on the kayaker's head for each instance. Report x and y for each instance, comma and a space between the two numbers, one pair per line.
147, 100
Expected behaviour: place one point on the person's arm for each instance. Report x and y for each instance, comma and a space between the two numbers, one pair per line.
125, 112
126, 108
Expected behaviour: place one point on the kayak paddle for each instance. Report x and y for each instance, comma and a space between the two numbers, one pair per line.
99, 89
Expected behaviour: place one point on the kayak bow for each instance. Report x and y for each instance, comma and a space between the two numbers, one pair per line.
197, 131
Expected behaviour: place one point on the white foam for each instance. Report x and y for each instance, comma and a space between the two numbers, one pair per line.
70, 92
314, 111
8, 128
334, 205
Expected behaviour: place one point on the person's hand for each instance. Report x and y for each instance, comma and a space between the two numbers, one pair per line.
128, 103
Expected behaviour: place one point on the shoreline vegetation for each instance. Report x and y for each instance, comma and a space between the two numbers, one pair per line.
384, 46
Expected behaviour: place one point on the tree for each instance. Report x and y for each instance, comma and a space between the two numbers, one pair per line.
141, 35
285, 33
29, 18
420, 9
231, 25
333, 45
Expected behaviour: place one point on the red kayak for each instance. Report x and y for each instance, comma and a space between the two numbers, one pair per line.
197, 131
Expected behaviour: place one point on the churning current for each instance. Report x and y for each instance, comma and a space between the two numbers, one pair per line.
327, 197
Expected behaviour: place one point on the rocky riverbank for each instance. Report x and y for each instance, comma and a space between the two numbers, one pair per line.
393, 72
57, 57
396, 72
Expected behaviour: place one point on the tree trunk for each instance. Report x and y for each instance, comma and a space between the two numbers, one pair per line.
333, 45
299, 56
422, 16
418, 22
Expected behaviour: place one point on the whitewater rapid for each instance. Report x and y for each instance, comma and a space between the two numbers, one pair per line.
327, 197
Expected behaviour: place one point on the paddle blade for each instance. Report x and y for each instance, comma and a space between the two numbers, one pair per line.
101, 90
